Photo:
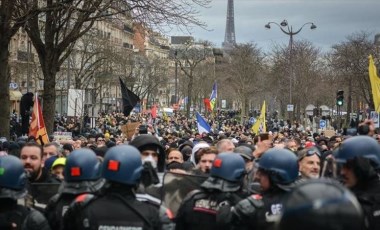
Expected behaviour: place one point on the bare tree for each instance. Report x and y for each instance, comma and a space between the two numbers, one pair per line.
149, 75
189, 57
306, 73
87, 59
13, 14
246, 73
349, 60
204, 79
306, 66
55, 32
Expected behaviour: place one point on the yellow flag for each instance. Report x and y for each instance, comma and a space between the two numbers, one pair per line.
260, 126
165, 116
375, 83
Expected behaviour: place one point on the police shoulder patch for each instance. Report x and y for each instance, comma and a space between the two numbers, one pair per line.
83, 199
257, 197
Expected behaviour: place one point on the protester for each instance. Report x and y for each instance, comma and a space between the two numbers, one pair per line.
309, 161
225, 145
205, 158
31, 157
57, 168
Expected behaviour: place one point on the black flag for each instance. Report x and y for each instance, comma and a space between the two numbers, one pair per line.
26, 104
129, 99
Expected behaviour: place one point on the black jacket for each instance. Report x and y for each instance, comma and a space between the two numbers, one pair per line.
116, 208
257, 211
23, 217
56, 209
368, 195
200, 210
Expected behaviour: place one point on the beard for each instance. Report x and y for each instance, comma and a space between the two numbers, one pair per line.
32, 174
207, 170
313, 175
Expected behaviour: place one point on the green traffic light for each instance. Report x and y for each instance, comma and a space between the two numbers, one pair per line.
339, 103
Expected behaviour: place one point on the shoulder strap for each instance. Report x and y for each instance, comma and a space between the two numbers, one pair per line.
136, 210
84, 199
194, 194
71, 219
144, 197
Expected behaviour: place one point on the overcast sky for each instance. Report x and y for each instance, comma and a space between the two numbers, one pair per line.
335, 20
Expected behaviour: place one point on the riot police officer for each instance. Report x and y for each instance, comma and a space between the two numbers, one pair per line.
277, 172
118, 207
13, 187
82, 174
320, 204
359, 158
199, 209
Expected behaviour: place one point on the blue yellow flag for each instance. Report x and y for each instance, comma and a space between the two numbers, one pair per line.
214, 95
375, 84
260, 126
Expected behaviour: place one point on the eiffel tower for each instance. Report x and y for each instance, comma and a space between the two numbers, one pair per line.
229, 37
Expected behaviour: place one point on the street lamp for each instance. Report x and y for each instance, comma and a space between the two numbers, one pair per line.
288, 30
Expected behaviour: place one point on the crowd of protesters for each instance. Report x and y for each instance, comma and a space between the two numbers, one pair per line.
173, 144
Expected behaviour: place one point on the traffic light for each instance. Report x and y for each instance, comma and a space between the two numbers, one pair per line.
339, 98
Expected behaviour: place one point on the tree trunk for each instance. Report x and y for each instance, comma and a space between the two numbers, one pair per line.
244, 108
49, 69
189, 94
349, 101
282, 109
4, 90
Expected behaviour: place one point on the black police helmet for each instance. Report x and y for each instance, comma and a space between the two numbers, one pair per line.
12, 178
280, 164
321, 204
359, 147
122, 164
227, 173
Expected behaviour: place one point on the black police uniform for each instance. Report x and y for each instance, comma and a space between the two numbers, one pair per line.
82, 175
361, 154
23, 217
261, 212
117, 208
200, 210
254, 212
369, 198
270, 211
56, 209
